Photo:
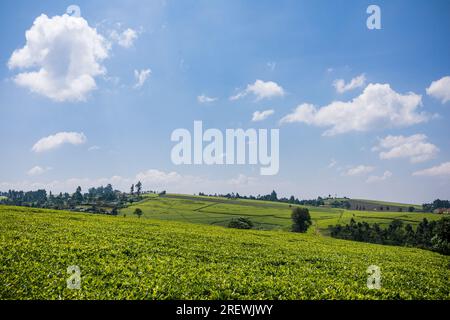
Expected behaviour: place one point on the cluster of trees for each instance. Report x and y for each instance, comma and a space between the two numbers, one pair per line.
37, 198
436, 204
98, 200
240, 223
270, 197
434, 235
344, 204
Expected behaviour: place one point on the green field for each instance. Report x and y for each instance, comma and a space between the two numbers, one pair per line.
266, 215
130, 258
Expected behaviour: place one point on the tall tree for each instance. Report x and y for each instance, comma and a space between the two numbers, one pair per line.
138, 188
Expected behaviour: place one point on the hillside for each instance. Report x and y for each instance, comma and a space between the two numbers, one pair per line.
265, 214
130, 258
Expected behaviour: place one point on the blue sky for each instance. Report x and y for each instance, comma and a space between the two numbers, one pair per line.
217, 49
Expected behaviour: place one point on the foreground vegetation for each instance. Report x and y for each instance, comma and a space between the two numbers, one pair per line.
130, 258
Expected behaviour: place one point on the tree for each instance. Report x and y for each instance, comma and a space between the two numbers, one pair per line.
273, 196
138, 212
138, 188
78, 196
301, 219
132, 189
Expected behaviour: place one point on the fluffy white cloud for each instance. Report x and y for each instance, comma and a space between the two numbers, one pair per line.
414, 147
359, 170
58, 139
357, 82
260, 116
205, 99
66, 55
37, 170
124, 39
440, 170
141, 77
440, 89
377, 107
261, 90
386, 175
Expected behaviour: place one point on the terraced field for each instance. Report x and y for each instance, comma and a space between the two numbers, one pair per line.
129, 258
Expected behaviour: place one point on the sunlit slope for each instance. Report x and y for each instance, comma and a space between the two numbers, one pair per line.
266, 215
130, 258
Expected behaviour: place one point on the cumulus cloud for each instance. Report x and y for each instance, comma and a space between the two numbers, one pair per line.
205, 99
386, 175
377, 107
37, 170
261, 90
414, 147
439, 170
125, 38
440, 89
260, 116
66, 55
59, 139
359, 170
356, 82
141, 76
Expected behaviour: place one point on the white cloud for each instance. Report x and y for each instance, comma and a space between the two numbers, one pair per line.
440, 89
152, 180
37, 170
357, 82
94, 148
141, 77
261, 90
359, 170
260, 116
332, 163
440, 170
386, 175
205, 99
414, 147
58, 139
124, 39
66, 54
377, 107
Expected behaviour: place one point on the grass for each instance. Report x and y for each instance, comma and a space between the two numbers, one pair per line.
130, 258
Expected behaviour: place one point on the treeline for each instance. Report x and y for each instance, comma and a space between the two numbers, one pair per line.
270, 197
434, 235
103, 199
436, 204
